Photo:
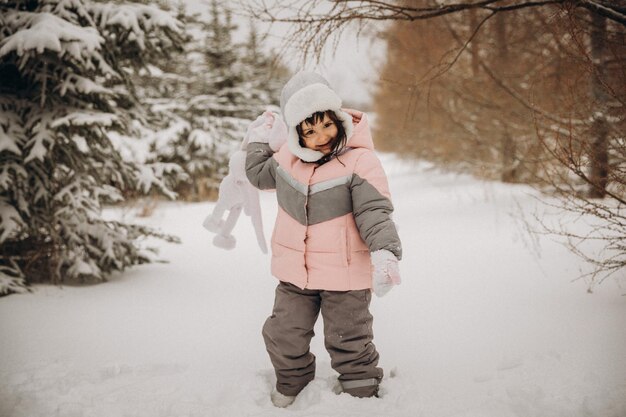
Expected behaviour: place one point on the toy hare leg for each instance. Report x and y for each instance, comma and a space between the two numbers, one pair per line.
236, 193
213, 223
224, 239
253, 209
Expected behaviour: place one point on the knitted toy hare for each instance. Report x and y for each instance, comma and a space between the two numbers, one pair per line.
236, 193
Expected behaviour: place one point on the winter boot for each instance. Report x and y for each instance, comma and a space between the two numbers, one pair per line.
361, 388
280, 400
337, 388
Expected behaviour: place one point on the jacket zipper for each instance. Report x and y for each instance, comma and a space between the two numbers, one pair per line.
306, 231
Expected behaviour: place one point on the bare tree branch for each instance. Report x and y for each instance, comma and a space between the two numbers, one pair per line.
344, 10
609, 10
313, 27
508, 89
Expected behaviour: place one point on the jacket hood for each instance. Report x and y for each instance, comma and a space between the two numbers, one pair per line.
361, 134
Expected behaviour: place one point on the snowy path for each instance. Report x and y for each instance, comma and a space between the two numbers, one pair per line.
479, 327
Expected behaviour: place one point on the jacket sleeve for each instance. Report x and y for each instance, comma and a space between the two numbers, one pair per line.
372, 207
260, 166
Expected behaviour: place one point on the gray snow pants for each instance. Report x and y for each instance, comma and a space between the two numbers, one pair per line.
347, 334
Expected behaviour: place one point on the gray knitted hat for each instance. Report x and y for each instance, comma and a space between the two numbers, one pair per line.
305, 94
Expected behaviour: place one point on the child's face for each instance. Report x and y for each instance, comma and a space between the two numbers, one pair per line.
320, 135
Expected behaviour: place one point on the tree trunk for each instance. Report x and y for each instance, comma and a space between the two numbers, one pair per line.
508, 148
599, 153
509, 166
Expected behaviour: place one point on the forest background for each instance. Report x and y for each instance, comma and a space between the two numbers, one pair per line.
109, 103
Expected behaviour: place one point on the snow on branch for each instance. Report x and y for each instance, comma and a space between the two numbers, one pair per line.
11, 133
10, 220
79, 263
74, 200
11, 280
86, 118
46, 31
150, 176
163, 137
134, 18
107, 193
67, 9
41, 137
75, 83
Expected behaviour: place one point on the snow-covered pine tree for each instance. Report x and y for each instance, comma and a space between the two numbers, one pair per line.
178, 134
204, 98
64, 84
262, 68
234, 81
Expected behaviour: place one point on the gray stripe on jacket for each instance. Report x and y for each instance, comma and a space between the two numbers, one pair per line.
372, 214
260, 166
290, 196
328, 204
298, 186
326, 200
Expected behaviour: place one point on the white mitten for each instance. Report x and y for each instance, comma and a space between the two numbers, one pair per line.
267, 128
278, 133
385, 271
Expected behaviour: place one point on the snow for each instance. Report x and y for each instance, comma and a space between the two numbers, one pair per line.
42, 137
47, 31
163, 138
47, 120
78, 266
77, 84
150, 176
480, 326
85, 118
137, 19
10, 220
10, 284
7, 143
132, 149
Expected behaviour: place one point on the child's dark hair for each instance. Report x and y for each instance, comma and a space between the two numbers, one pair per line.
340, 140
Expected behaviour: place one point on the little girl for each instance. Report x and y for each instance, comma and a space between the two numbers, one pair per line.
333, 242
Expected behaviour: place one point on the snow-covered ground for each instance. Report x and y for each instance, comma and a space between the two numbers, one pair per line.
487, 322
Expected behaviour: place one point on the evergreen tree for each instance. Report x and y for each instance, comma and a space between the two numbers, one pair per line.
203, 99
64, 85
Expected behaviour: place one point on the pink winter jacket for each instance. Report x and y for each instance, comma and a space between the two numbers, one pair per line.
330, 216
